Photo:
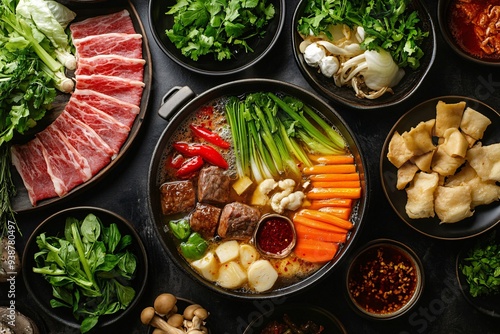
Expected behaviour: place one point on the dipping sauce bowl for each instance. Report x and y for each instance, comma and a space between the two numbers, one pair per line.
384, 280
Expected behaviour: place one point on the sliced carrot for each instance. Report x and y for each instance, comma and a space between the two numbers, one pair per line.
336, 184
324, 193
337, 202
335, 177
314, 223
329, 169
332, 159
326, 218
343, 213
315, 250
317, 234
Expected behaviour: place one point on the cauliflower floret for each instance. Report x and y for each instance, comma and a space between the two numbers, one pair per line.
259, 196
286, 199
313, 54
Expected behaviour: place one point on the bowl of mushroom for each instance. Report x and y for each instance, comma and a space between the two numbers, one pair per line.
174, 315
349, 64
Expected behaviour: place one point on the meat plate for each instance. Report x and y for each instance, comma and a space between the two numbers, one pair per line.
21, 202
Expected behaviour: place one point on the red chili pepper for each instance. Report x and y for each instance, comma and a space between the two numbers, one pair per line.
208, 153
190, 166
176, 161
209, 136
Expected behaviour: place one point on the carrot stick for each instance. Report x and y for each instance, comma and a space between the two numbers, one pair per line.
329, 169
338, 202
324, 193
336, 184
314, 223
335, 177
326, 218
315, 250
332, 159
317, 234
343, 213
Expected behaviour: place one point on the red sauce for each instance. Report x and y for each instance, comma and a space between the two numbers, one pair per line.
274, 235
475, 27
382, 280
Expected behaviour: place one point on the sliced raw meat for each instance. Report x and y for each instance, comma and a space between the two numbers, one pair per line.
30, 164
115, 22
65, 165
108, 128
123, 89
85, 140
124, 112
126, 45
113, 65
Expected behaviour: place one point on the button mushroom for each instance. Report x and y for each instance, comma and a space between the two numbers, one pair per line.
149, 317
12, 321
165, 304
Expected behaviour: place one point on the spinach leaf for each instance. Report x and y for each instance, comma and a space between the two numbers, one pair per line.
90, 269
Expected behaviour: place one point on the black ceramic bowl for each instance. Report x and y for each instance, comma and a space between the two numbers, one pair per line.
485, 216
444, 15
41, 291
299, 314
396, 252
346, 95
159, 23
180, 104
486, 304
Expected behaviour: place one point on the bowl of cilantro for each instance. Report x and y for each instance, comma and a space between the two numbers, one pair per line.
86, 267
364, 54
207, 38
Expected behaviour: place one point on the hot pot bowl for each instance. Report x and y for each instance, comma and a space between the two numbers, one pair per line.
178, 105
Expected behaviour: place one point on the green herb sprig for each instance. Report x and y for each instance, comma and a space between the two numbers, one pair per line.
481, 268
217, 27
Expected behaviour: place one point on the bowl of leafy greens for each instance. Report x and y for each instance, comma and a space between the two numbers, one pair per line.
209, 38
363, 54
86, 267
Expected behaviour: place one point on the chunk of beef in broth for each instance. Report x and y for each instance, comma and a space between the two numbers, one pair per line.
204, 220
177, 197
238, 221
213, 185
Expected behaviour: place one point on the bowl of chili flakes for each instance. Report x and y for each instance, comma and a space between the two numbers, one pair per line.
384, 280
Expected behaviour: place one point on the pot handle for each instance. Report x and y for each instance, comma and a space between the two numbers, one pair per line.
174, 100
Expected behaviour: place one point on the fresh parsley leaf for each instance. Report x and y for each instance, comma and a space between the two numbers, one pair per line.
217, 27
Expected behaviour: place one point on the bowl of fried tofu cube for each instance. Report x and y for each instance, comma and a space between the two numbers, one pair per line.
440, 167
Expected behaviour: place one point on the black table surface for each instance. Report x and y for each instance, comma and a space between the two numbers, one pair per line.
441, 309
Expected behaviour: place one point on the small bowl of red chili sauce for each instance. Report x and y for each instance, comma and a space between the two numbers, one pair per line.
384, 280
275, 236
471, 29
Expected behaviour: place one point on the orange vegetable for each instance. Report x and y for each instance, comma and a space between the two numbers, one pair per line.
314, 223
326, 218
336, 184
332, 159
317, 234
343, 213
335, 177
329, 169
337, 202
315, 250
324, 193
